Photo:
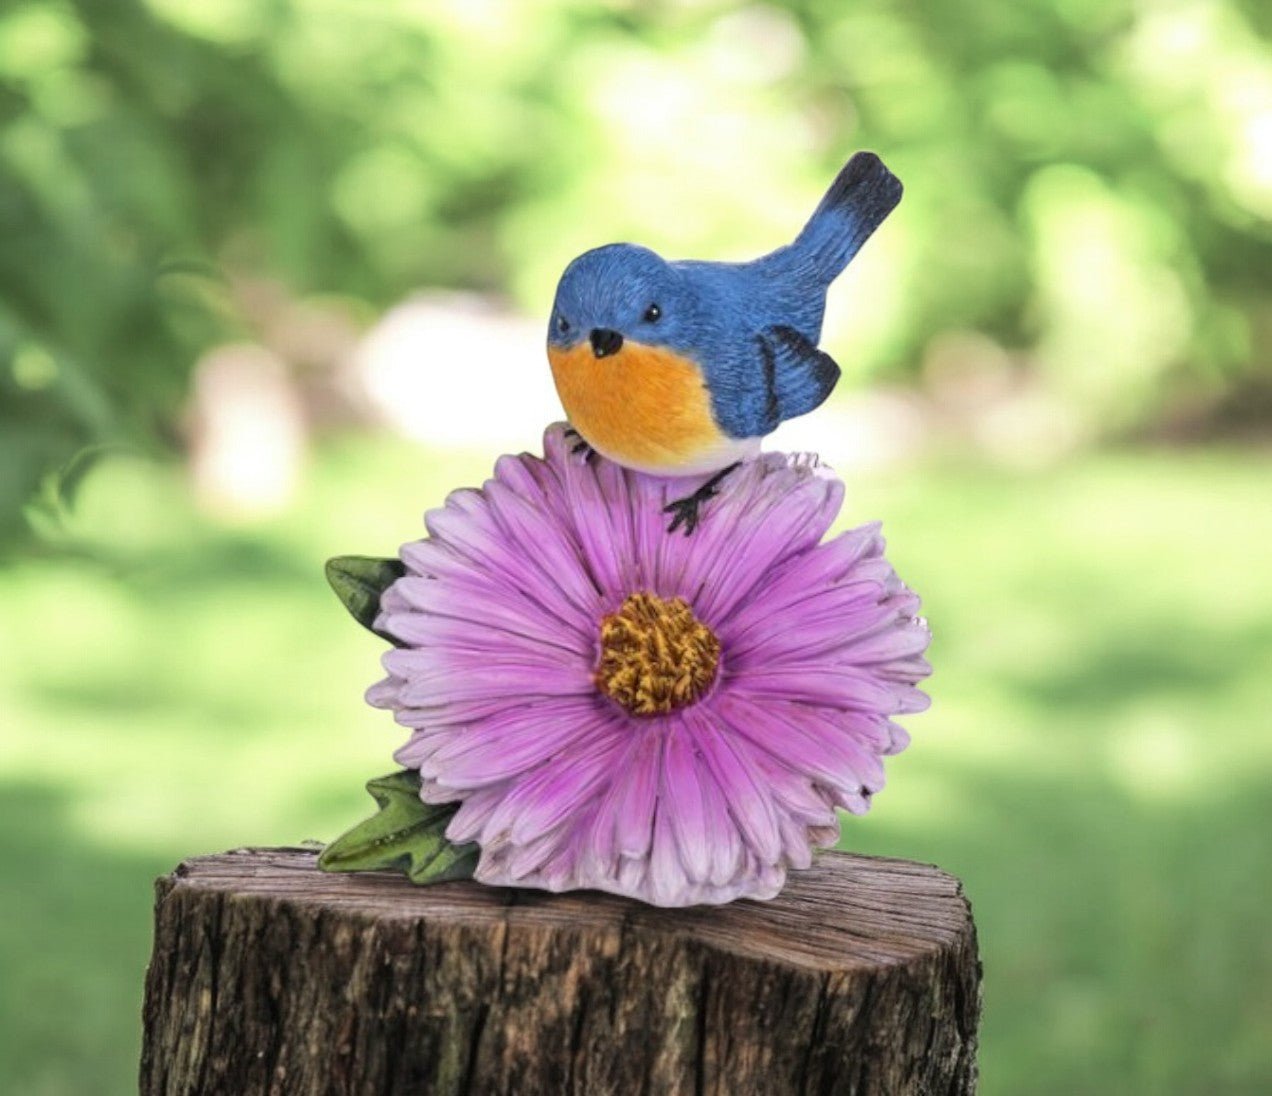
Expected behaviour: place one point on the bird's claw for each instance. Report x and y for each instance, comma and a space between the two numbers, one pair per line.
580, 445
686, 511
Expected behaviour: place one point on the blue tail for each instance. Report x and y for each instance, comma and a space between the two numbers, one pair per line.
857, 202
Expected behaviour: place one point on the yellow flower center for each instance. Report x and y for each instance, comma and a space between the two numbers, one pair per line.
656, 656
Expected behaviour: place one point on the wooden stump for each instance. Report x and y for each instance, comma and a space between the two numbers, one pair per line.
269, 976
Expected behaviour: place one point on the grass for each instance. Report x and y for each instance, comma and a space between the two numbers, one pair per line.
1095, 765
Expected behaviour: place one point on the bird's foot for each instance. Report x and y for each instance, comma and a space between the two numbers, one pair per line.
686, 512
580, 445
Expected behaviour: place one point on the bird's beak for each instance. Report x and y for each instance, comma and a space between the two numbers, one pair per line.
604, 341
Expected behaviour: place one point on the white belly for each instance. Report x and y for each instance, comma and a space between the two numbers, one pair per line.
726, 452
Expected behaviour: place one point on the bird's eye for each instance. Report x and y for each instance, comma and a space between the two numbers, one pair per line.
563, 325
652, 313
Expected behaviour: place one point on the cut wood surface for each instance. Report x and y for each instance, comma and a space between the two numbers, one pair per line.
269, 976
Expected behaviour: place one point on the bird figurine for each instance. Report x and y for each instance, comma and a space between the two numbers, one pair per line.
682, 368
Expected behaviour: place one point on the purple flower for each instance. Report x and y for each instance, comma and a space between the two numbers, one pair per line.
667, 717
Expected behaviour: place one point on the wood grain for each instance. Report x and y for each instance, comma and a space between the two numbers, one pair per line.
269, 976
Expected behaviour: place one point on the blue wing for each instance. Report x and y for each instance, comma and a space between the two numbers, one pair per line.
797, 374
784, 375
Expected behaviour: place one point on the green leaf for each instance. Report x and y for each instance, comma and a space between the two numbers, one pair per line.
406, 835
360, 582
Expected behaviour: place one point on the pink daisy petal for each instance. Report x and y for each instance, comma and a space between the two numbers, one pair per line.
795, 736
794, 520
912, 701
797, 795
512, 743
669, 884
522, 861
796, 846
467, 526
822, 629
547, 796
637, 799
624, 815
724, 839
545, 546
632, 875
905, 670
597, 512
465, 713
802, 580
742, 785
474, 678
682, 802
835, 686
768, 510
474, 812
420, 748
898, 739
504, 680
384, 694
481, 605
418, 662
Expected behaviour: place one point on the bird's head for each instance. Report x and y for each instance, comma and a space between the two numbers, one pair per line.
620, 293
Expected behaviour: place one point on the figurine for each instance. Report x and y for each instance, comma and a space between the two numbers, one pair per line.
594, 705
681, 368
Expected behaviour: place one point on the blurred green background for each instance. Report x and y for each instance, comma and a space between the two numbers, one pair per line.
273, 275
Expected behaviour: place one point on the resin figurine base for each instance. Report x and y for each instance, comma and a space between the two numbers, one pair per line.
269, 975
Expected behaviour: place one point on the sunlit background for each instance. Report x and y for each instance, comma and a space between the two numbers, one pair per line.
274, 276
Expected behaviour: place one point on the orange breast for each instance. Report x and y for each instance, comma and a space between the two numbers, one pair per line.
643, 407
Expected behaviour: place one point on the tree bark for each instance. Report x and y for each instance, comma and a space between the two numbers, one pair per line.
269, 976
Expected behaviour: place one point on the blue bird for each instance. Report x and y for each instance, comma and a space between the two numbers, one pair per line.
681, 368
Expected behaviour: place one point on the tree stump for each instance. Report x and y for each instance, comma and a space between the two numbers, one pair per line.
269, 976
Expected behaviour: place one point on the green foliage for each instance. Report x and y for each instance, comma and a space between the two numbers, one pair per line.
407, 835
360, 582
1084, 179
